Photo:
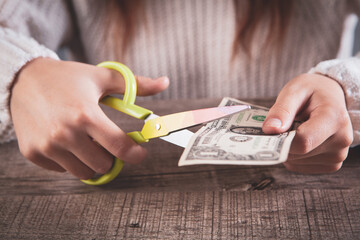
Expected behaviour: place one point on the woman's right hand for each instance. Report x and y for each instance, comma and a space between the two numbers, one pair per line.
56, 115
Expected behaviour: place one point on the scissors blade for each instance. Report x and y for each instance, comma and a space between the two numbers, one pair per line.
162, 126
180, 138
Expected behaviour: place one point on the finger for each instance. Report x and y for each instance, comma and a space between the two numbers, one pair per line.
92, 155
321, 125
114, 140
145, 86
337, 142
312, 169
149, 86
321, 159
46, 163
282, 114
70, 163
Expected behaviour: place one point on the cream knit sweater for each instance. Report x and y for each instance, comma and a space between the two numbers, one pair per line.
188, 40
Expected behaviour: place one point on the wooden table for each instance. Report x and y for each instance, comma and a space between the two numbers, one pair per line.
159, 200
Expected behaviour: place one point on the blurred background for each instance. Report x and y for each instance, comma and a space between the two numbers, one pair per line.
350, 44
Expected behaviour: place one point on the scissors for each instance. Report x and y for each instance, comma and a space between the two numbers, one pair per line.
171, 128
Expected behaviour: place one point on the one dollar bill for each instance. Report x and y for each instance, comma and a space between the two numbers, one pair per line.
237, 140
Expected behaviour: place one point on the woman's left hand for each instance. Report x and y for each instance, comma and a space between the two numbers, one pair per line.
322, 141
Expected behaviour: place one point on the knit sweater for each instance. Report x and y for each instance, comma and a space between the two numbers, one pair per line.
188, 41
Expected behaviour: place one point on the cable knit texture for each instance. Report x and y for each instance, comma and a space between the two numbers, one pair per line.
189, 41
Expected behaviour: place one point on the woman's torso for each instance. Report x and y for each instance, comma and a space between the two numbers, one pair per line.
191, 42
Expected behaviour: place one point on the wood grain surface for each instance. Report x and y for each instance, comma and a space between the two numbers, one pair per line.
159, 200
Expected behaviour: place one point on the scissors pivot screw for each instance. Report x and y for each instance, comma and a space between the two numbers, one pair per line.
157, 126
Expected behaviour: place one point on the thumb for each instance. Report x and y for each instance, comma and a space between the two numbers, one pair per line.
282, 114
150, 86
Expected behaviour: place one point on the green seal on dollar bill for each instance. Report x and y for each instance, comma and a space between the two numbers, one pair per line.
259, 118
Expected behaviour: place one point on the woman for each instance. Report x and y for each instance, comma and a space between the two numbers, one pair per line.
243, 49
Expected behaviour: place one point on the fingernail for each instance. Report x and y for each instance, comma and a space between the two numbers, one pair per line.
165, 80
273, 122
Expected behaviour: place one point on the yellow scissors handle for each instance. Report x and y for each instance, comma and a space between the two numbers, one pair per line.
126, 105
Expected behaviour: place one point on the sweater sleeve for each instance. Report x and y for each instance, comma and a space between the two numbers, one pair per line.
347, 73
28, 30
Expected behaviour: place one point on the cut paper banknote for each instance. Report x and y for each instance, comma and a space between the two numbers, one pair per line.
237, 140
